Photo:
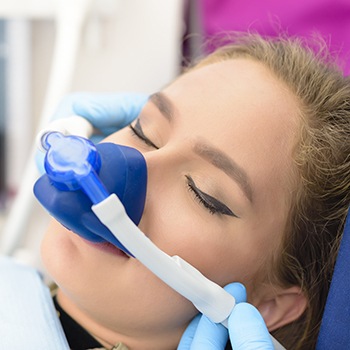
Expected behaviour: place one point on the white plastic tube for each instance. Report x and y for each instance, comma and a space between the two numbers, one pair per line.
208, 297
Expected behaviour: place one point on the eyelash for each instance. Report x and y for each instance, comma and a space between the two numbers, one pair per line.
137, 131
202, 197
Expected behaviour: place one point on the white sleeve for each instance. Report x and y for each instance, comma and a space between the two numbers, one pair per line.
28, 319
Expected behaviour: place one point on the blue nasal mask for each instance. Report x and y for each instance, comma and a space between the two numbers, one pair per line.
80, 174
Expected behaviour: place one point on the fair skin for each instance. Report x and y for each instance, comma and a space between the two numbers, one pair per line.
234, 107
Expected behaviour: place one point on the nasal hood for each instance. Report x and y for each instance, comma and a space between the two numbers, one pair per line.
122, 170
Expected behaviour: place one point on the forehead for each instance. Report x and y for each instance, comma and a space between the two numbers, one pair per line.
236, 83
237, 93
241, 107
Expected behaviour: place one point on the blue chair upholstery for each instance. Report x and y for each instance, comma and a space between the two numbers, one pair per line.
335, 326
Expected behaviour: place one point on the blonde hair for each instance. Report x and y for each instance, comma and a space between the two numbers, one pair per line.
322, 161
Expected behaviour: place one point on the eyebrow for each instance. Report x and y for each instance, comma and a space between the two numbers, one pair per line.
206, 151
164, 105
222, 161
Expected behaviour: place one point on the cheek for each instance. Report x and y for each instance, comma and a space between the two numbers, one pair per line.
223, 254
63, 255
55, 248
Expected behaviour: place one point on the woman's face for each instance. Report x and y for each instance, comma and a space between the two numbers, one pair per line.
218, 144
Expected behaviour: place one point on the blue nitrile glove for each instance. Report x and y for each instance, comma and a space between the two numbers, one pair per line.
246, 328
107, 112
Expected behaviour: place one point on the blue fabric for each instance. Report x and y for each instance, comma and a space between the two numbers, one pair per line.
28, 318
335, 327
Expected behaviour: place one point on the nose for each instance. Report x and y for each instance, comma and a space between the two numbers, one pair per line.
164, 167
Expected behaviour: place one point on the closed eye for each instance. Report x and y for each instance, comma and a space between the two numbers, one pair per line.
138, 132
210, 203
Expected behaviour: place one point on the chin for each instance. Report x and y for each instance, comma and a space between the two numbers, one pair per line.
59, 252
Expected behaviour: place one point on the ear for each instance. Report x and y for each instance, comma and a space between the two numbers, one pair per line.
284, 307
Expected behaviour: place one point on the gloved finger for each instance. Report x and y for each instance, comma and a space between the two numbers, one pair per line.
213, 336
238, 291
187, 337
209, 335
110, 112
247, 329
64, 108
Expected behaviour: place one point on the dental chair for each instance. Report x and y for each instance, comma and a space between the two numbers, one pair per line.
28, 318
335, 326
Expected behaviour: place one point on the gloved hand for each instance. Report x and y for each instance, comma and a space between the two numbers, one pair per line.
107, 112
246, 328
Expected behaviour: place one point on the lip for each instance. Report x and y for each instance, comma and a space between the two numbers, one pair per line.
106, 247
